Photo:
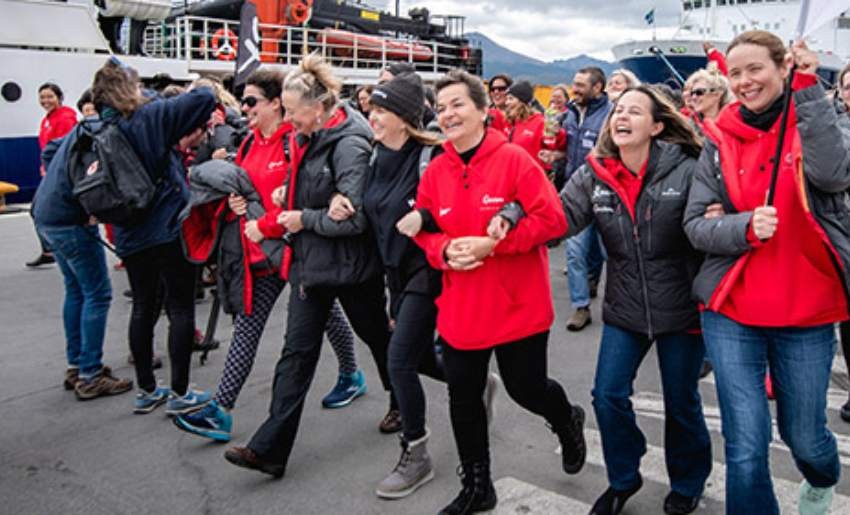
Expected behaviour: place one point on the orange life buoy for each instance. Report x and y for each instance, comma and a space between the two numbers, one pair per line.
224, 44
297, 12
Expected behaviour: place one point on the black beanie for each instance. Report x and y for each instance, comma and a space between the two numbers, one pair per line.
400, 68
404, 96
523, 91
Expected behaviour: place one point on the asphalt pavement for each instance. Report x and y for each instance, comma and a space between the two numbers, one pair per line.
59, 455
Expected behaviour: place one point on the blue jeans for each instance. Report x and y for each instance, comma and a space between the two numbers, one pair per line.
800, 360
585, 257
88, 293
687, 444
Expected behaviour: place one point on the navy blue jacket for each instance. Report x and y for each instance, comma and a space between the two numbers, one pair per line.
581, 138
53, 203
153, 130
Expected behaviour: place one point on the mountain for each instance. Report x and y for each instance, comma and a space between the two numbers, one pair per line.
498, 59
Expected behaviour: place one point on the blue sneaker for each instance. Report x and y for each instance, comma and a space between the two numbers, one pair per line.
348, 388
211, 421
149, 401
192, 401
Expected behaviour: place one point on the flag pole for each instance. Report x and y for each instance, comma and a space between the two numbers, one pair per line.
777, 156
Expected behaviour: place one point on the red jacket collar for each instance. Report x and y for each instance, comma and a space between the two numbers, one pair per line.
493, 139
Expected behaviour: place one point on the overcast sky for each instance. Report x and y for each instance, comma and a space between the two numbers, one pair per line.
554, 29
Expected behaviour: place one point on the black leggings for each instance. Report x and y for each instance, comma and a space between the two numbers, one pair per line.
522, 364
307, 315
845, 343
411, 352
146, 269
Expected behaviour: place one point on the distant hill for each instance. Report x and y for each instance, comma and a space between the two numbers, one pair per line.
498, 59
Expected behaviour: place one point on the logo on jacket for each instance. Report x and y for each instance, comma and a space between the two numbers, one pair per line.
492, 200
599, 192
92, 169
444, 211
276, 164
671, 192
411, 202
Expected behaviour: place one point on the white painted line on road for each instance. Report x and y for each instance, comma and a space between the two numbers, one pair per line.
516, 497
653, 468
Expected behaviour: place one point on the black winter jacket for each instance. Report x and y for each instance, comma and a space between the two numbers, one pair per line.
651, 263
336, 160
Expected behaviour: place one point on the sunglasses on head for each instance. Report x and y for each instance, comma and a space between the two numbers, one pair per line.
499, 88
250, 101
698, 92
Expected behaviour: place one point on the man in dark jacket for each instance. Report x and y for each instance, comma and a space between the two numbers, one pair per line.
585, 117
61, 221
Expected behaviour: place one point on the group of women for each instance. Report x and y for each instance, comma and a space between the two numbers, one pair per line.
457, 233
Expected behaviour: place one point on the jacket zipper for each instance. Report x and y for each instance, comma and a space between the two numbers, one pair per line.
643, 286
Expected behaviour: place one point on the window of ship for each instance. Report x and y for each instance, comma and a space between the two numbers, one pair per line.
688, 6
721, 2
11, 92
697, 4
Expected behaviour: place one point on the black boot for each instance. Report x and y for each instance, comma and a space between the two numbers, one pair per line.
477, 493
573, 446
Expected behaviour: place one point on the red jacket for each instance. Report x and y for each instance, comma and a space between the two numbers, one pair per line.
498, 120
56, 124
509, 297
789, 280
530, 134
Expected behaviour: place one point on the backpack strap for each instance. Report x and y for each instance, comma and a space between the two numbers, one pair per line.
425, 159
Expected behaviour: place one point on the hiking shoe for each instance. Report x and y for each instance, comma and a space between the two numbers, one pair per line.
193, 400
413, 470
348, 387
212, 421
72, 375
573, 445
579, 320
612, 501
477, 494
678, 504
493, 384
845, 411
814, 501
42, 259
102, 384
246, 458
149, 401
391, 423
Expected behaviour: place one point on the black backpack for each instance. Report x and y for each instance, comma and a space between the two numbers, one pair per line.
108, 179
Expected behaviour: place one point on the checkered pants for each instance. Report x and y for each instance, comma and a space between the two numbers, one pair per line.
248, 329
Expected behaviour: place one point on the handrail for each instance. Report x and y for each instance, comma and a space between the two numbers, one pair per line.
190, 38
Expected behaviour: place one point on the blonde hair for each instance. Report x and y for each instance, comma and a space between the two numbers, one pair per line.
427, 138
314, 81
714, 80
520, 111
222, 96
631, 78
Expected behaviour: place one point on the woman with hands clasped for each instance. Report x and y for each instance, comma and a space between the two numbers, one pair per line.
496, 295
773, 282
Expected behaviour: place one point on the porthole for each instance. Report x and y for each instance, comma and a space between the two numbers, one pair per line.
11, 92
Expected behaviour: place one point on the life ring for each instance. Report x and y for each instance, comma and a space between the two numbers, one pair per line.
297, 12
224, 44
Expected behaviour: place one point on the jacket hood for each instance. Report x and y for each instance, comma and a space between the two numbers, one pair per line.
730, 121
352, 124
594, 105
664, 158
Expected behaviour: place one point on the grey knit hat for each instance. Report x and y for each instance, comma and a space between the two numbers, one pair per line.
404, 96
523, 91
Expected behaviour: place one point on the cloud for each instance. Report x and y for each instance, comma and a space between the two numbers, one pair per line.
553, 29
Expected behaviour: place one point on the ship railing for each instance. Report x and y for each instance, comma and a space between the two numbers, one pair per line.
213, 41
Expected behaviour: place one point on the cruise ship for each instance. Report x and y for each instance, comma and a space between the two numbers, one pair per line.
718, 22
62, 42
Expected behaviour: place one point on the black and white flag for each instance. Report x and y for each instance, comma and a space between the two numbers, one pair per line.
248, 55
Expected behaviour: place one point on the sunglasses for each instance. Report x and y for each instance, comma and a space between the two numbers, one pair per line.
698, 92
251, 101
499, 88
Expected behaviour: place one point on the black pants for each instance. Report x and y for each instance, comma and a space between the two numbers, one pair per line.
307, 316
522, 365
411, 352
845, 343
146, 269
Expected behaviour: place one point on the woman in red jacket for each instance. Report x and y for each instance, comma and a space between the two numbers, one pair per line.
774, 279
528, 126
58, 122
496, 295
263, 157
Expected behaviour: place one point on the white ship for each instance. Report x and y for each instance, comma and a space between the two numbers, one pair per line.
719, 21
62, 42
